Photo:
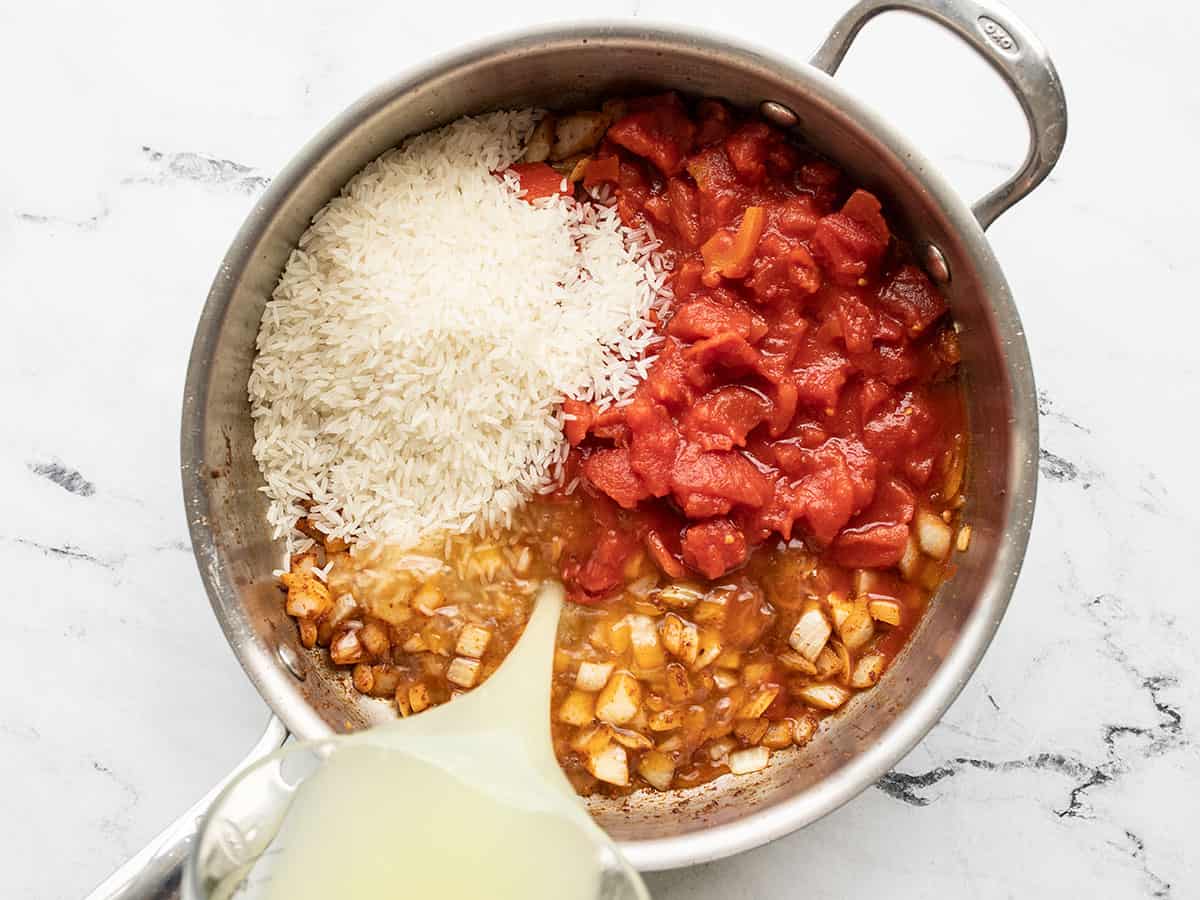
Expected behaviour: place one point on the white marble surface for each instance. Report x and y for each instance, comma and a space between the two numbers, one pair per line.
136, 136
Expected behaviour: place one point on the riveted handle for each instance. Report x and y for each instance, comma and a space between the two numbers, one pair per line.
1012, 50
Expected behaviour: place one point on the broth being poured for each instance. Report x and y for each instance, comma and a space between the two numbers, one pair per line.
466, 800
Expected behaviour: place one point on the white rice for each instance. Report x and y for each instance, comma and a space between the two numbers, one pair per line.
414, 354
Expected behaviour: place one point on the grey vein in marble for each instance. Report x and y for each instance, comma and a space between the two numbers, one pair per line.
70, 480
202, 168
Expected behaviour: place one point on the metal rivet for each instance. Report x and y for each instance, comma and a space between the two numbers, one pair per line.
291, 661
778, 114
935, 265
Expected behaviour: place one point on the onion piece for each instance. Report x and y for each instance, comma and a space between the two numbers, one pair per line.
886, 611
932, 534
867, 671
757, 705
619, 701
577, 709
592, 676
610, 765
657, 769
810, 634
472, 641
824, 696
964, 539
463, 671
752, 759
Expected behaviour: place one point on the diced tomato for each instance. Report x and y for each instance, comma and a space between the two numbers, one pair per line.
777, 351
661, 132
731, 254
610, 426
862, 466
726, 475
797, 389
827, 497
872, 395
799, 216
686, 279
779, 276
784, 397
582, 415
714, 547
918, 464
870, 546
851, 243
538, 180
674, 378
782, 157
658, 207
685, 211
604, 570
601, 170
610, 471
910, 296
893, 502
820, 372
731, 412
712, 171
899, 425
894, 363
668, 561
652, 446
857, 323
708, 315
780, 512
716, 121
702, 506
819, 174
727, 350
747, 150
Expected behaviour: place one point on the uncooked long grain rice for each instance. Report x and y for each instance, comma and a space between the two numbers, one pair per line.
413, 356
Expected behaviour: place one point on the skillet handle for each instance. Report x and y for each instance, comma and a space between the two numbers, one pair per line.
155, 872
1012, 50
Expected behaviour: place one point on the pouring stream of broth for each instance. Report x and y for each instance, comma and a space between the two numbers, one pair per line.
464, 800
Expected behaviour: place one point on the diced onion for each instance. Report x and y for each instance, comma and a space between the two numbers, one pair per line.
752, 759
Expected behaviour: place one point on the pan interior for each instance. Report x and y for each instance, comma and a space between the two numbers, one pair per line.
564, 70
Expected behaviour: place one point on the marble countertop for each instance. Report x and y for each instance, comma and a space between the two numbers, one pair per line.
138, 135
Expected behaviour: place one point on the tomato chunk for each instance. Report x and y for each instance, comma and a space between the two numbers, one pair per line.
582, 415
724, 475
729, 412
610, 471
727, 350
910, 297
820, 372
870, 546
538, 180
852, 242
653, 441
674, 379
715, 547
603, 572
747, 149
602, 169
667, 560
706, 316
661, 132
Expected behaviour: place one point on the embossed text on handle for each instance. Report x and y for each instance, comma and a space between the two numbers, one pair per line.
998, 34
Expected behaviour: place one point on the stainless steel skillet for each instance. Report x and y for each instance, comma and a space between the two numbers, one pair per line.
564, 67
